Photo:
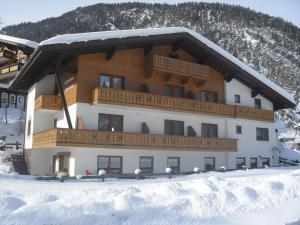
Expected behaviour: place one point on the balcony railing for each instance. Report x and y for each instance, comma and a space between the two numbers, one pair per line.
73, 137
140, 99
9, 69
48, 102
175, 66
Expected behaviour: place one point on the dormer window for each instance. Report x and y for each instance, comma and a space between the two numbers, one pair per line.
257, 103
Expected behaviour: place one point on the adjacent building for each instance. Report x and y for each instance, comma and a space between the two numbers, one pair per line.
148, 99
14, 53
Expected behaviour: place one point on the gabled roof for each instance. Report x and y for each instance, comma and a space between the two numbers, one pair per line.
190, 41
25, 45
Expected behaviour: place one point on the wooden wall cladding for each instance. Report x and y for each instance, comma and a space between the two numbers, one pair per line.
130, 65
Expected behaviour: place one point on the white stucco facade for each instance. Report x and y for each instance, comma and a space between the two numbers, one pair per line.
85, 158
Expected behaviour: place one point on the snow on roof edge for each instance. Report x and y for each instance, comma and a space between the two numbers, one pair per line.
103, 35
31, 44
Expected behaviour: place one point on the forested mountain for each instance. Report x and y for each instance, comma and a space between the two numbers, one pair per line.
268, 44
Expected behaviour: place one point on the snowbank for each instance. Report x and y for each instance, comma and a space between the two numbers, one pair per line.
239, 197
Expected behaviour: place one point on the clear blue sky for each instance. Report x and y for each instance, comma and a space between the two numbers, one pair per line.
35, 10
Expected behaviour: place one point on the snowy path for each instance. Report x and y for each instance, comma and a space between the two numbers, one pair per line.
265, 196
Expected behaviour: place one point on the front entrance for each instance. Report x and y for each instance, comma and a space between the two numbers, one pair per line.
61, 163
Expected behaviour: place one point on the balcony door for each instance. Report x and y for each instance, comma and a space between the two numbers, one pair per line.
174, 91
110, 122
109, 81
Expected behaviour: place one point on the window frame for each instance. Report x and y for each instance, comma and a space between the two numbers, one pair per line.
261, 137
108, 170
241, 166
111, 80
178, 167
110, 123
149, 170
210, 168
237, 99
206, 93
238, 129
209, 125
173, 122
257, 103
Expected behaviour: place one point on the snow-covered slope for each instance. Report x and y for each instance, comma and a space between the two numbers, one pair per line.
264, 196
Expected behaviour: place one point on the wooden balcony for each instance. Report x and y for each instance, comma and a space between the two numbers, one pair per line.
9, 69
139, 99
90, 138
156, 63
48, 103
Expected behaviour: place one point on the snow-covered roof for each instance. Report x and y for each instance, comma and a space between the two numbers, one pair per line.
3, 85
104, 35
20, 41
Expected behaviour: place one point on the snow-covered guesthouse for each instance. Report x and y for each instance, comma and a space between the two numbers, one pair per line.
14, 53
148, 99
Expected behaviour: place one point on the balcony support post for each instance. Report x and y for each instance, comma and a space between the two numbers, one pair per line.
254, 93
61, 90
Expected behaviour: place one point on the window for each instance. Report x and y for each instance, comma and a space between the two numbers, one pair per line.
265, 162
55, 123
262, 134
237, 99
109, 122
146, 164
12, 99
174, 91
253, 162
174, 127
209, 163
209, 96
240, 162
209, 130
21, 99
109, 81
28, 127
174, 164
238, 129
111, 164
257, 103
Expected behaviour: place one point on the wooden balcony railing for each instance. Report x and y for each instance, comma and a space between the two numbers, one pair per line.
7, 54
73, 137
175, 66
140, 99
9, 69
50, 102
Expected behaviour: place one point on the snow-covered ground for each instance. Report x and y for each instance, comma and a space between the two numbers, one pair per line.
14, 129
289, 149
261, 196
